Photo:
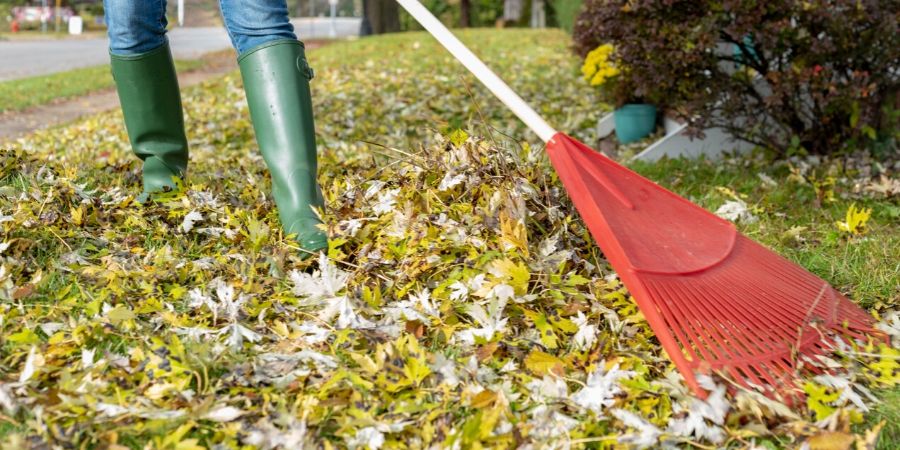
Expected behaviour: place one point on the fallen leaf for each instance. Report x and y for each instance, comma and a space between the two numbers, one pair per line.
541, 363
831, 441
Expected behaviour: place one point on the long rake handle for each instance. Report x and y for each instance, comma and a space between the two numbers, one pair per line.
484, 74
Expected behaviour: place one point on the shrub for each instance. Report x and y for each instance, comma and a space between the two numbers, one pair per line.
818, 75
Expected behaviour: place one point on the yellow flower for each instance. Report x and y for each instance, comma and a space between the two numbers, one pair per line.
598, 68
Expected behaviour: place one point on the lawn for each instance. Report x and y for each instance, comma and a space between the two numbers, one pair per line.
461, 302
21, 94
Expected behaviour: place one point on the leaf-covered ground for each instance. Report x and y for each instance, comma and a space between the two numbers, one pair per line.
461, 303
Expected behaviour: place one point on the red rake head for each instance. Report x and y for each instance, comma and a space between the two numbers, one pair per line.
715, 299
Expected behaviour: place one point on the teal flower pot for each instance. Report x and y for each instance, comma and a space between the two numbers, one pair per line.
751, 50
634, 122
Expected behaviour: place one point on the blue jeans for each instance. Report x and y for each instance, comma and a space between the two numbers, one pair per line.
138, 26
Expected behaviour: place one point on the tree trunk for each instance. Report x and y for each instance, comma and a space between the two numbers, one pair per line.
365, 26
390, 16
298, 8
465, 13
380, 16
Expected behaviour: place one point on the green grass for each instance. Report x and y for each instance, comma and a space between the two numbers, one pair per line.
866, 267
889, 411
17, 95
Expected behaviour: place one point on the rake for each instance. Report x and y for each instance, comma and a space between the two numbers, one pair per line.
716, 300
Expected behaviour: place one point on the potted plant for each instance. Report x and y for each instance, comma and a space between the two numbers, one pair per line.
634, 118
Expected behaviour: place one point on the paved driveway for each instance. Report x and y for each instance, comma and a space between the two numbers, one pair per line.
29, 58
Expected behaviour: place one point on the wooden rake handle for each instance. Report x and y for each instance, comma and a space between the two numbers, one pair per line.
484, 74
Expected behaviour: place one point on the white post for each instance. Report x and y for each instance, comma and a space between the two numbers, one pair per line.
312, 14
332, 32
479, 69
180, 13
44, 9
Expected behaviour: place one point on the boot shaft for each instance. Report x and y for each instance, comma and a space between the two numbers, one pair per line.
151, 104
276, 80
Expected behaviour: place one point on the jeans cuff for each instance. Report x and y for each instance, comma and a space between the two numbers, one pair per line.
164, 47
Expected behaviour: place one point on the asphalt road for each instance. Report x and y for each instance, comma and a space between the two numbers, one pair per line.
26, 58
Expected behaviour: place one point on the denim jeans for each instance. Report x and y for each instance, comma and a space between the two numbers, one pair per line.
138, 26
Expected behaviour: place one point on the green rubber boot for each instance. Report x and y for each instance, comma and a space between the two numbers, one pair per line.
276, 80
151, 104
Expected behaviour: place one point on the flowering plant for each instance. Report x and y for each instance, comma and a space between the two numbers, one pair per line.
790, 76
600, 69
598, 66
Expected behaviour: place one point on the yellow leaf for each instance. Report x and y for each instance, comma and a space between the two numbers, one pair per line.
794, 233
869, 440
177, 292
516, 275
359, 381
484, 398
119, 314
856, 220
77, 215
887, 366
189, 444
818, 400
416, 369
458, 137
548, 337
513, 234
281, 329
831, 440
158, 391
174, 438
728, 192
541, 363
366, 363
25, 337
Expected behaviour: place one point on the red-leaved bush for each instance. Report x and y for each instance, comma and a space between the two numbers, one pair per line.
817, 75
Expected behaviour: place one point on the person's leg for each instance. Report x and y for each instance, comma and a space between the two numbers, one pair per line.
135, 27
251, 23
276, 81
144, 72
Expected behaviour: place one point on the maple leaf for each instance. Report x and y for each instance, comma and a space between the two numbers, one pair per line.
491, 321
236, 333
386, 202
648, 434
458, 291
450, 181
369, 437
189, 220
446, 367
736, 211
601, 388
324, 283
513, 234
347, 317
703, 417
548, 388
855, 222
586, 334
